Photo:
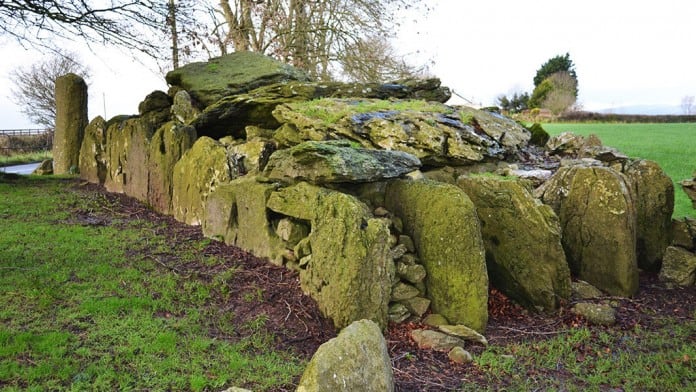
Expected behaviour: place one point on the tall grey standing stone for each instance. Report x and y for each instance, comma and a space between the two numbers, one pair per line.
71, 120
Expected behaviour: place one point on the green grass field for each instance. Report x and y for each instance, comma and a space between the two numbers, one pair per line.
672, 146
84, 307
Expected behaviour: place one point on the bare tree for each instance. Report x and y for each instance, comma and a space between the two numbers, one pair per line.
34, 90
135, 25
375, 59
687, 105
324, 37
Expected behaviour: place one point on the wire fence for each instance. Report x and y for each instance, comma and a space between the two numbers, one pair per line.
13, 141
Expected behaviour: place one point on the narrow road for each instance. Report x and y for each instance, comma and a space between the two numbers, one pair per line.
20, 169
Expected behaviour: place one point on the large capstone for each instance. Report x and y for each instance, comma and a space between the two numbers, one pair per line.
348, 269
337, 161
356, 360
436, 134
71, 120
442, 221
524, 255
236, 73
596, 208
230, 115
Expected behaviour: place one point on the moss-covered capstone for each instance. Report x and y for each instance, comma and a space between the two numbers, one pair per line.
70, 122
442, 221
235, 73
167, 146
337, 161
349, 271
434, 133
230, 115
356, 360
522, 237
92, 152
654, 197
596, 208
236, 212
201, 169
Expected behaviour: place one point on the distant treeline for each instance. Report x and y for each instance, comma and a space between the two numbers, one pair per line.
624, 118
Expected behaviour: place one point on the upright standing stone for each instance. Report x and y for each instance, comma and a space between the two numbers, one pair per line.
71, 120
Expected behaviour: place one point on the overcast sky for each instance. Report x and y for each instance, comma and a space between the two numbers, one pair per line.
626, 53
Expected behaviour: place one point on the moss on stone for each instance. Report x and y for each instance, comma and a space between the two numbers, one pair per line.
522, 238
167, 146
92, 152
442, 222
200, 170
597, 212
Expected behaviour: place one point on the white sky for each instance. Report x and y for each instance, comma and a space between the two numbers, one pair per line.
625, 53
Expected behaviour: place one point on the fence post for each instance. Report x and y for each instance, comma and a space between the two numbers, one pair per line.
71, 120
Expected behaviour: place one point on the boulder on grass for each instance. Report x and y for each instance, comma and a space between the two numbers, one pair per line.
356, 360
522, 237
442, 221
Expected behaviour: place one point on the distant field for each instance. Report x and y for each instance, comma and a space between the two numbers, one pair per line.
673, 146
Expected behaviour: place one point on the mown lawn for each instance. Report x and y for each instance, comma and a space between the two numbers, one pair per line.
672, 146
85, 306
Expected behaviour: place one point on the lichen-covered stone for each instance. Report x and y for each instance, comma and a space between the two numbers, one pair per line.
70, 122
464, 332
434, 340
356, 360
92, 152
337, 161
350, 271
232, 114
684, 233
200, 170
236, 212
583, 290
442, 222
167, 146
127, 148
252, 155
678, 267
654, 198
235, 73
522, 237
417, 305
595, 313
44, 168
182, 108
596, 208
459, 355
434, 133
